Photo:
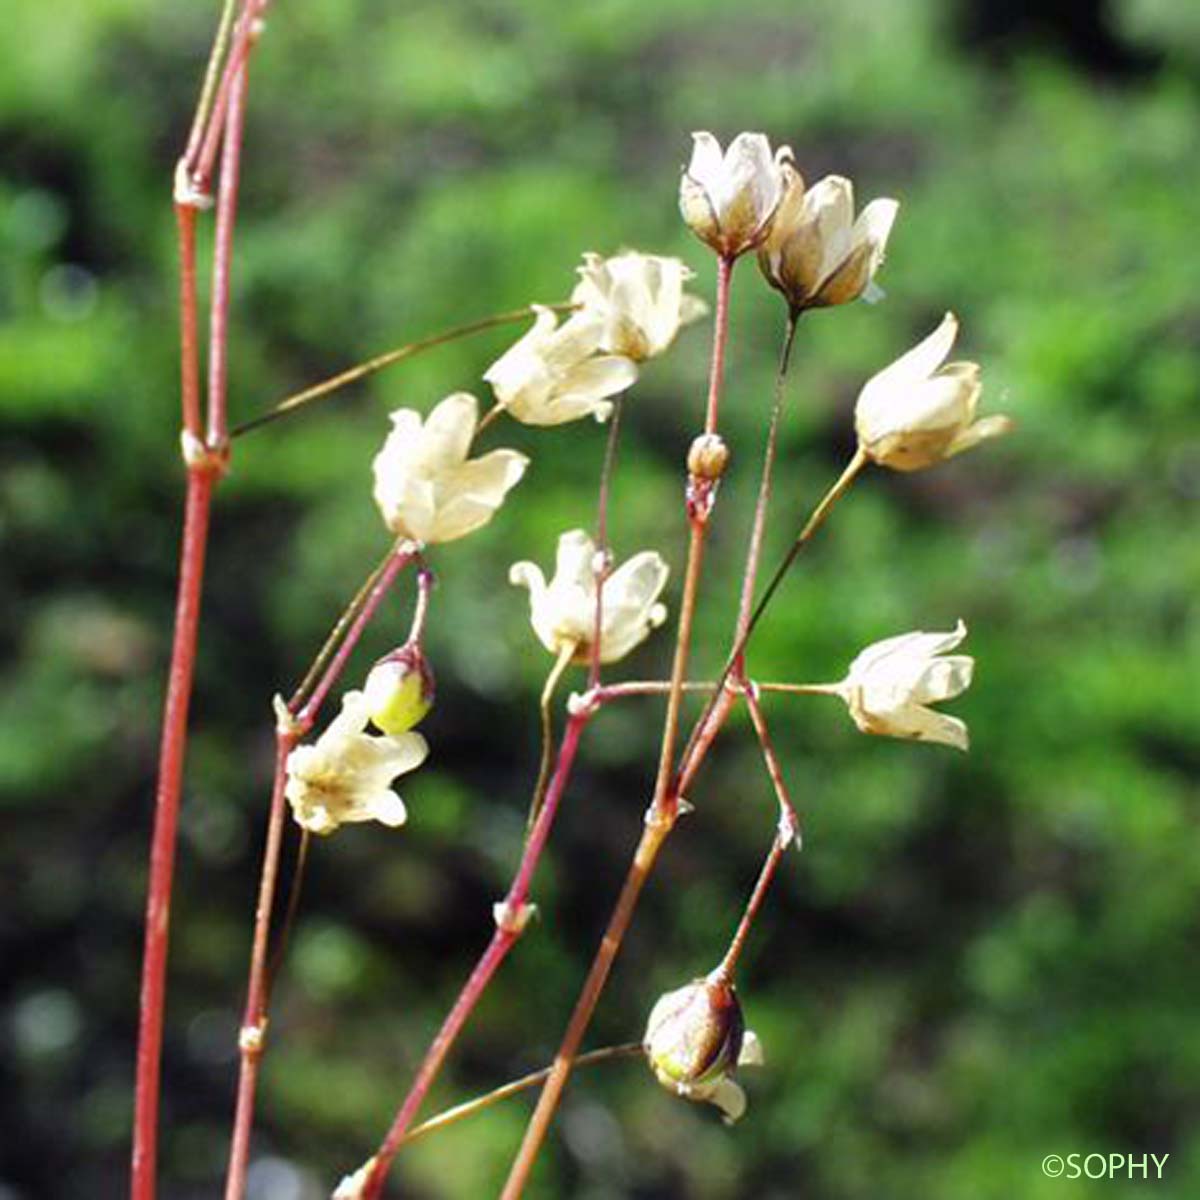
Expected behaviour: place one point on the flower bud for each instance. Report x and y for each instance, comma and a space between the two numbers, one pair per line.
728, 198
694, 1041
399, 690
708, 457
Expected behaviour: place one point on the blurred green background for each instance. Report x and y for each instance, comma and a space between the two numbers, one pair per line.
977, 961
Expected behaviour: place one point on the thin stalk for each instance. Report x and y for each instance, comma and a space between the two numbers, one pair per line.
172, 750
425, 584
295, 888
665, 805
758, 527
738, 943
204, 106
470, 1107
379, 362
512, 915
815, 521
218, 321
252, 1038
223, 101
547, 760
787, 832
403, 553
337, 633
642, 687
604, 558
801, 689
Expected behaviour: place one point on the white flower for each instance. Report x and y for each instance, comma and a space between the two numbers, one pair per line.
346, 774
555, 374
640, 299
890, 683
816, 253
696, 1039
916, 412
426, 487
563, 613
728, 199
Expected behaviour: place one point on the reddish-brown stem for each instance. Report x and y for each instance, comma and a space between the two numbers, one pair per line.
221, 117
664, 807
252, 1037
425, 583
218, 326
512, 914
758, 528
716, 374
766, 875
603, 564
789, 822
200, 480
204, 106
189, 343
403, 554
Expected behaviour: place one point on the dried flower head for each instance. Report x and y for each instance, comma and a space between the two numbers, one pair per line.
816, 253
563, 612
917, 412
640, 299
890, 683
555, 374
346, 774
426, 487
728, 200
695, 1040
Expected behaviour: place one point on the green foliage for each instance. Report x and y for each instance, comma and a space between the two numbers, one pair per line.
976, 961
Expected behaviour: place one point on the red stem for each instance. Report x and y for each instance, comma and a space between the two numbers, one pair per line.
404, 554
506, 935
189, 348
200, 483
716, 373
252, 1037
218, 329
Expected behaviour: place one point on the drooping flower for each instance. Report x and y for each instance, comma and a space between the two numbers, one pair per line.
555, 374
891, 682
640, 299
695, 1040
917, 412
426, 487
563, 612
346, 774
728, 200
815, 252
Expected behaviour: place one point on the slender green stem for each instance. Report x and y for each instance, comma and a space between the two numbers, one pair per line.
373, 365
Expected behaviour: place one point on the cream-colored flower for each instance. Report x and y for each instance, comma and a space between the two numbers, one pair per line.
426, 487
728, 199
640, 299
890, 683
346, 774
563, 612
695, 1040
917, 412
816, 253
556, 374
